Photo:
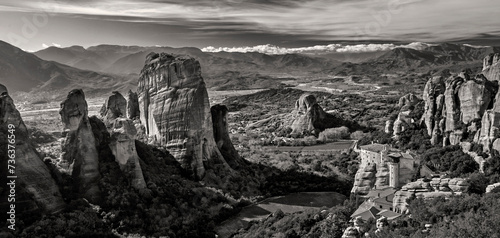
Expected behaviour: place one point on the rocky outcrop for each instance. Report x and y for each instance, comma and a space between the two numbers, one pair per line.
221, 136
406, 105
452, 103
475, 97
114, 107
34, 186
423, 188
132, 105
310, 118
79, 154
455, 105
490, 188
490, 130
364, 179
382, 177
175, 111
491, 67
122, 145
389, 124
433, 97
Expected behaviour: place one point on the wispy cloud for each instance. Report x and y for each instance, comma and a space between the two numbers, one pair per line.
315, 20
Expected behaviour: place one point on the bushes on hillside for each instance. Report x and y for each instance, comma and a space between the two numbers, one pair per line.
334, 134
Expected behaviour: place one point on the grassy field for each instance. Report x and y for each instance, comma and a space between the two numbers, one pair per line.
333, 146
288, 204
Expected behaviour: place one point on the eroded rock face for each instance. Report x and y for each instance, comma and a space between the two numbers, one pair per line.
221, 136
79, 154
459, 108
475, 97
309, 117
490, 129
122, 145
174, 108
364, 179
73, 110
433, 100
452, 103
491, 67
132, 105
39, 190
422, 188
114, 107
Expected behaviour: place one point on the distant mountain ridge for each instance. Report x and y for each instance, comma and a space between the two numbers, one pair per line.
112, 67
23, 71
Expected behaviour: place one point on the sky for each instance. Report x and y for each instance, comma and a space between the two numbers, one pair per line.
235, 24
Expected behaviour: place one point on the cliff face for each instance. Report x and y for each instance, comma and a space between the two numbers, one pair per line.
455, 105
491, 67
174, 108
221, 136
79, 154
35, 187
422, 188
122, 145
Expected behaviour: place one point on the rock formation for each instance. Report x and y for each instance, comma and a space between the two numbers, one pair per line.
406, 105
454, 106
221, 136
433, 97
490, 130
490, 188
491, 67
122, 145
34, 186
428, 189
389, 127
79, 154
174, 108
114, 107
364, 179
132, 105
309, 117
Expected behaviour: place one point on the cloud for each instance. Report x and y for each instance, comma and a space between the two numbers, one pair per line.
331, 48
56, 45
45, 45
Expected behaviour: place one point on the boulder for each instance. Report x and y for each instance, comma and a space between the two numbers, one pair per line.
35, 188
79, 156
132, 105
175, 111
122, 145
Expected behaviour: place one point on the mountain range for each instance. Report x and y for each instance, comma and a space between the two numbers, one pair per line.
106, 68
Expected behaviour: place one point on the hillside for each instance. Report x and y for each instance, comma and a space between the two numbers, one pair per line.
23, 72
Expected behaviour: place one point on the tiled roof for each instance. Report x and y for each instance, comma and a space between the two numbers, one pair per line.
389, 214
373, 147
